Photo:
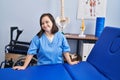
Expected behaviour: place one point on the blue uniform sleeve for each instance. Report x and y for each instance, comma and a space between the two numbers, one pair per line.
34, 46
66, 47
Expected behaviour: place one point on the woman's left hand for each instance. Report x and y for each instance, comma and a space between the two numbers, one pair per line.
74, 62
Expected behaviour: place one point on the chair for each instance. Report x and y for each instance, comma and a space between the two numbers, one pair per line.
15, 46
15, 51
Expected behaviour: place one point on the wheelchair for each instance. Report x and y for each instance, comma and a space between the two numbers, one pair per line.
16, 51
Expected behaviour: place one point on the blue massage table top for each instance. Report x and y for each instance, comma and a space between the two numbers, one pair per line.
84, 71
81, 71
45, 72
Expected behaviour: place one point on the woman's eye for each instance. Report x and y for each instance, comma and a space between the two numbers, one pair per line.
42, 23
47, 21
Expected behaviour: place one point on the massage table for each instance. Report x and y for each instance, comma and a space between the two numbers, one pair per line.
103, 63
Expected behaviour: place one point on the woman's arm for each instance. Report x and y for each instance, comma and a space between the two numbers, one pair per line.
68, 59
27, 61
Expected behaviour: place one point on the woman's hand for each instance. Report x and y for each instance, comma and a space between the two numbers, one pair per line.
74, 62
27, 61
68, 59
19, 67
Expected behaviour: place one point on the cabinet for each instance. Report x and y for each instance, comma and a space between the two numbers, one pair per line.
87, 43
87, 47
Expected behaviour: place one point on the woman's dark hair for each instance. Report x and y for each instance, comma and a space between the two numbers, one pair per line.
54, 28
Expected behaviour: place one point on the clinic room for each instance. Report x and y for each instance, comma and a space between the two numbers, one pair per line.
59, 40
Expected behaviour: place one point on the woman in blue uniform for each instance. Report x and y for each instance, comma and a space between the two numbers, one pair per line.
49, 44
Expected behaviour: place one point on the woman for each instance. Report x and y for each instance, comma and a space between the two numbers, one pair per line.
49, 45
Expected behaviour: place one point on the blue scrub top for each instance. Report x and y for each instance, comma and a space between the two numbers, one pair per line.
49, 52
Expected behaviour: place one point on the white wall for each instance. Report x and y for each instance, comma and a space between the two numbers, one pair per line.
25, 14
113, 11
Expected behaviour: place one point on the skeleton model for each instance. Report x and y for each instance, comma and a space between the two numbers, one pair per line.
62, 21
93, 4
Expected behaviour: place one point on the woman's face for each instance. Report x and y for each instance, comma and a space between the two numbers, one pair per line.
46, 24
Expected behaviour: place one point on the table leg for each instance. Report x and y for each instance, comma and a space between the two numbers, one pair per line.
78, 50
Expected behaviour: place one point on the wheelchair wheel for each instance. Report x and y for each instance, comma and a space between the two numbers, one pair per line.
20, 61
